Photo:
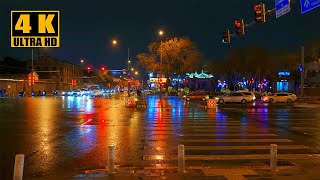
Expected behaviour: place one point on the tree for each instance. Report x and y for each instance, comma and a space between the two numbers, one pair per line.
179, 55
312, 53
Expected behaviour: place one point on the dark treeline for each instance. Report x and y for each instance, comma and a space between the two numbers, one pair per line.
258, 64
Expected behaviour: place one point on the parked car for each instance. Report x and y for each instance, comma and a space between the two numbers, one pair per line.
196, 96
234, 97
279, 97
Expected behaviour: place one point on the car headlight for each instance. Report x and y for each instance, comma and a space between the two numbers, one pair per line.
63, 93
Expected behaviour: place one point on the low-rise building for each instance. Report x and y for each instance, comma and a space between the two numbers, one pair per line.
60, 72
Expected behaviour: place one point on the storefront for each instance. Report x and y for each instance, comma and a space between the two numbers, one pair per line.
200, 81
283, 84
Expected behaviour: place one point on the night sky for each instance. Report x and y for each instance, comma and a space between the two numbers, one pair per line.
88, 26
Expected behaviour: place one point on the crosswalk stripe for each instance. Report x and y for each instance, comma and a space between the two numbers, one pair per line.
215, 130
219, 135
187, 148
199, 127
224, 140
233, 157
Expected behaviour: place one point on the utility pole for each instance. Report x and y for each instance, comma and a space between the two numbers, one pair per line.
129, 81
302, 72
32, 69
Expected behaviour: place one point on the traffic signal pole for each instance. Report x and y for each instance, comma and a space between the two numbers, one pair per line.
302, 73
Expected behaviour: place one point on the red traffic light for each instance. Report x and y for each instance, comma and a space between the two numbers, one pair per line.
102, 69
88, 68
237, 23
257, 8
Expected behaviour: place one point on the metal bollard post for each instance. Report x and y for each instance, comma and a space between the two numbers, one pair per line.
181, 159
273, 157
111, 158
18, 167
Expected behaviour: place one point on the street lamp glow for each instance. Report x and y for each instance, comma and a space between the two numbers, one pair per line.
161, 32
132, 69
81, 60
129, 61
136, 73
114, 42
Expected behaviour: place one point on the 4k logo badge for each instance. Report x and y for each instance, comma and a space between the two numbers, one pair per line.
35, 28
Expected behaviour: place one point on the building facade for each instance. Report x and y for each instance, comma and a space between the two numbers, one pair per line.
60, 72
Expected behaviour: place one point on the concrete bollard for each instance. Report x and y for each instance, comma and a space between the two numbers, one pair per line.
273, 157
18, 167
181, 159
111, 158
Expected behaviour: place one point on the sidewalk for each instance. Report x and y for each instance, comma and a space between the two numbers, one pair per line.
299, 169
307, 103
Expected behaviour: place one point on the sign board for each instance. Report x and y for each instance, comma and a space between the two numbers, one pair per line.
282, 7
307, 5
155, 80
284, 73
300, 68
35, 28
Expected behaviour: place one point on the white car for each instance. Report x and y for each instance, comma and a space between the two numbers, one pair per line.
279, 97
251, 95
95, 91
85, 92
67, 93
234, 97
76, 92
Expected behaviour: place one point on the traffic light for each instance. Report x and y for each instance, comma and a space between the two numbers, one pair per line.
239, 26
103, 69
226, 36
31, 79
260, 13
74, 82
89, 68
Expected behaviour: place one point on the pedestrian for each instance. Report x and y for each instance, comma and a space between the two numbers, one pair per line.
139, 92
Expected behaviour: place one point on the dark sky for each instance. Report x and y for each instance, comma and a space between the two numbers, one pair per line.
87, 27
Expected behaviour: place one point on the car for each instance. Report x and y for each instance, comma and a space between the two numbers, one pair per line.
85, 92
234, 98
67, 93
251, 95
279, 97
95, 91
76, 92
196, 96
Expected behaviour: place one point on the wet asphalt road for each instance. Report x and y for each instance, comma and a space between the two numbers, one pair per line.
67, 135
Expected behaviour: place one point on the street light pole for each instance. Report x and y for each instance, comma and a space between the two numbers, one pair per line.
128, 73
128, 58
160, 33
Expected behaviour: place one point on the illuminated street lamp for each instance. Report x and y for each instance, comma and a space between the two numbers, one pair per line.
161, 34
114, 42
132, 69
81, 61
136, 73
